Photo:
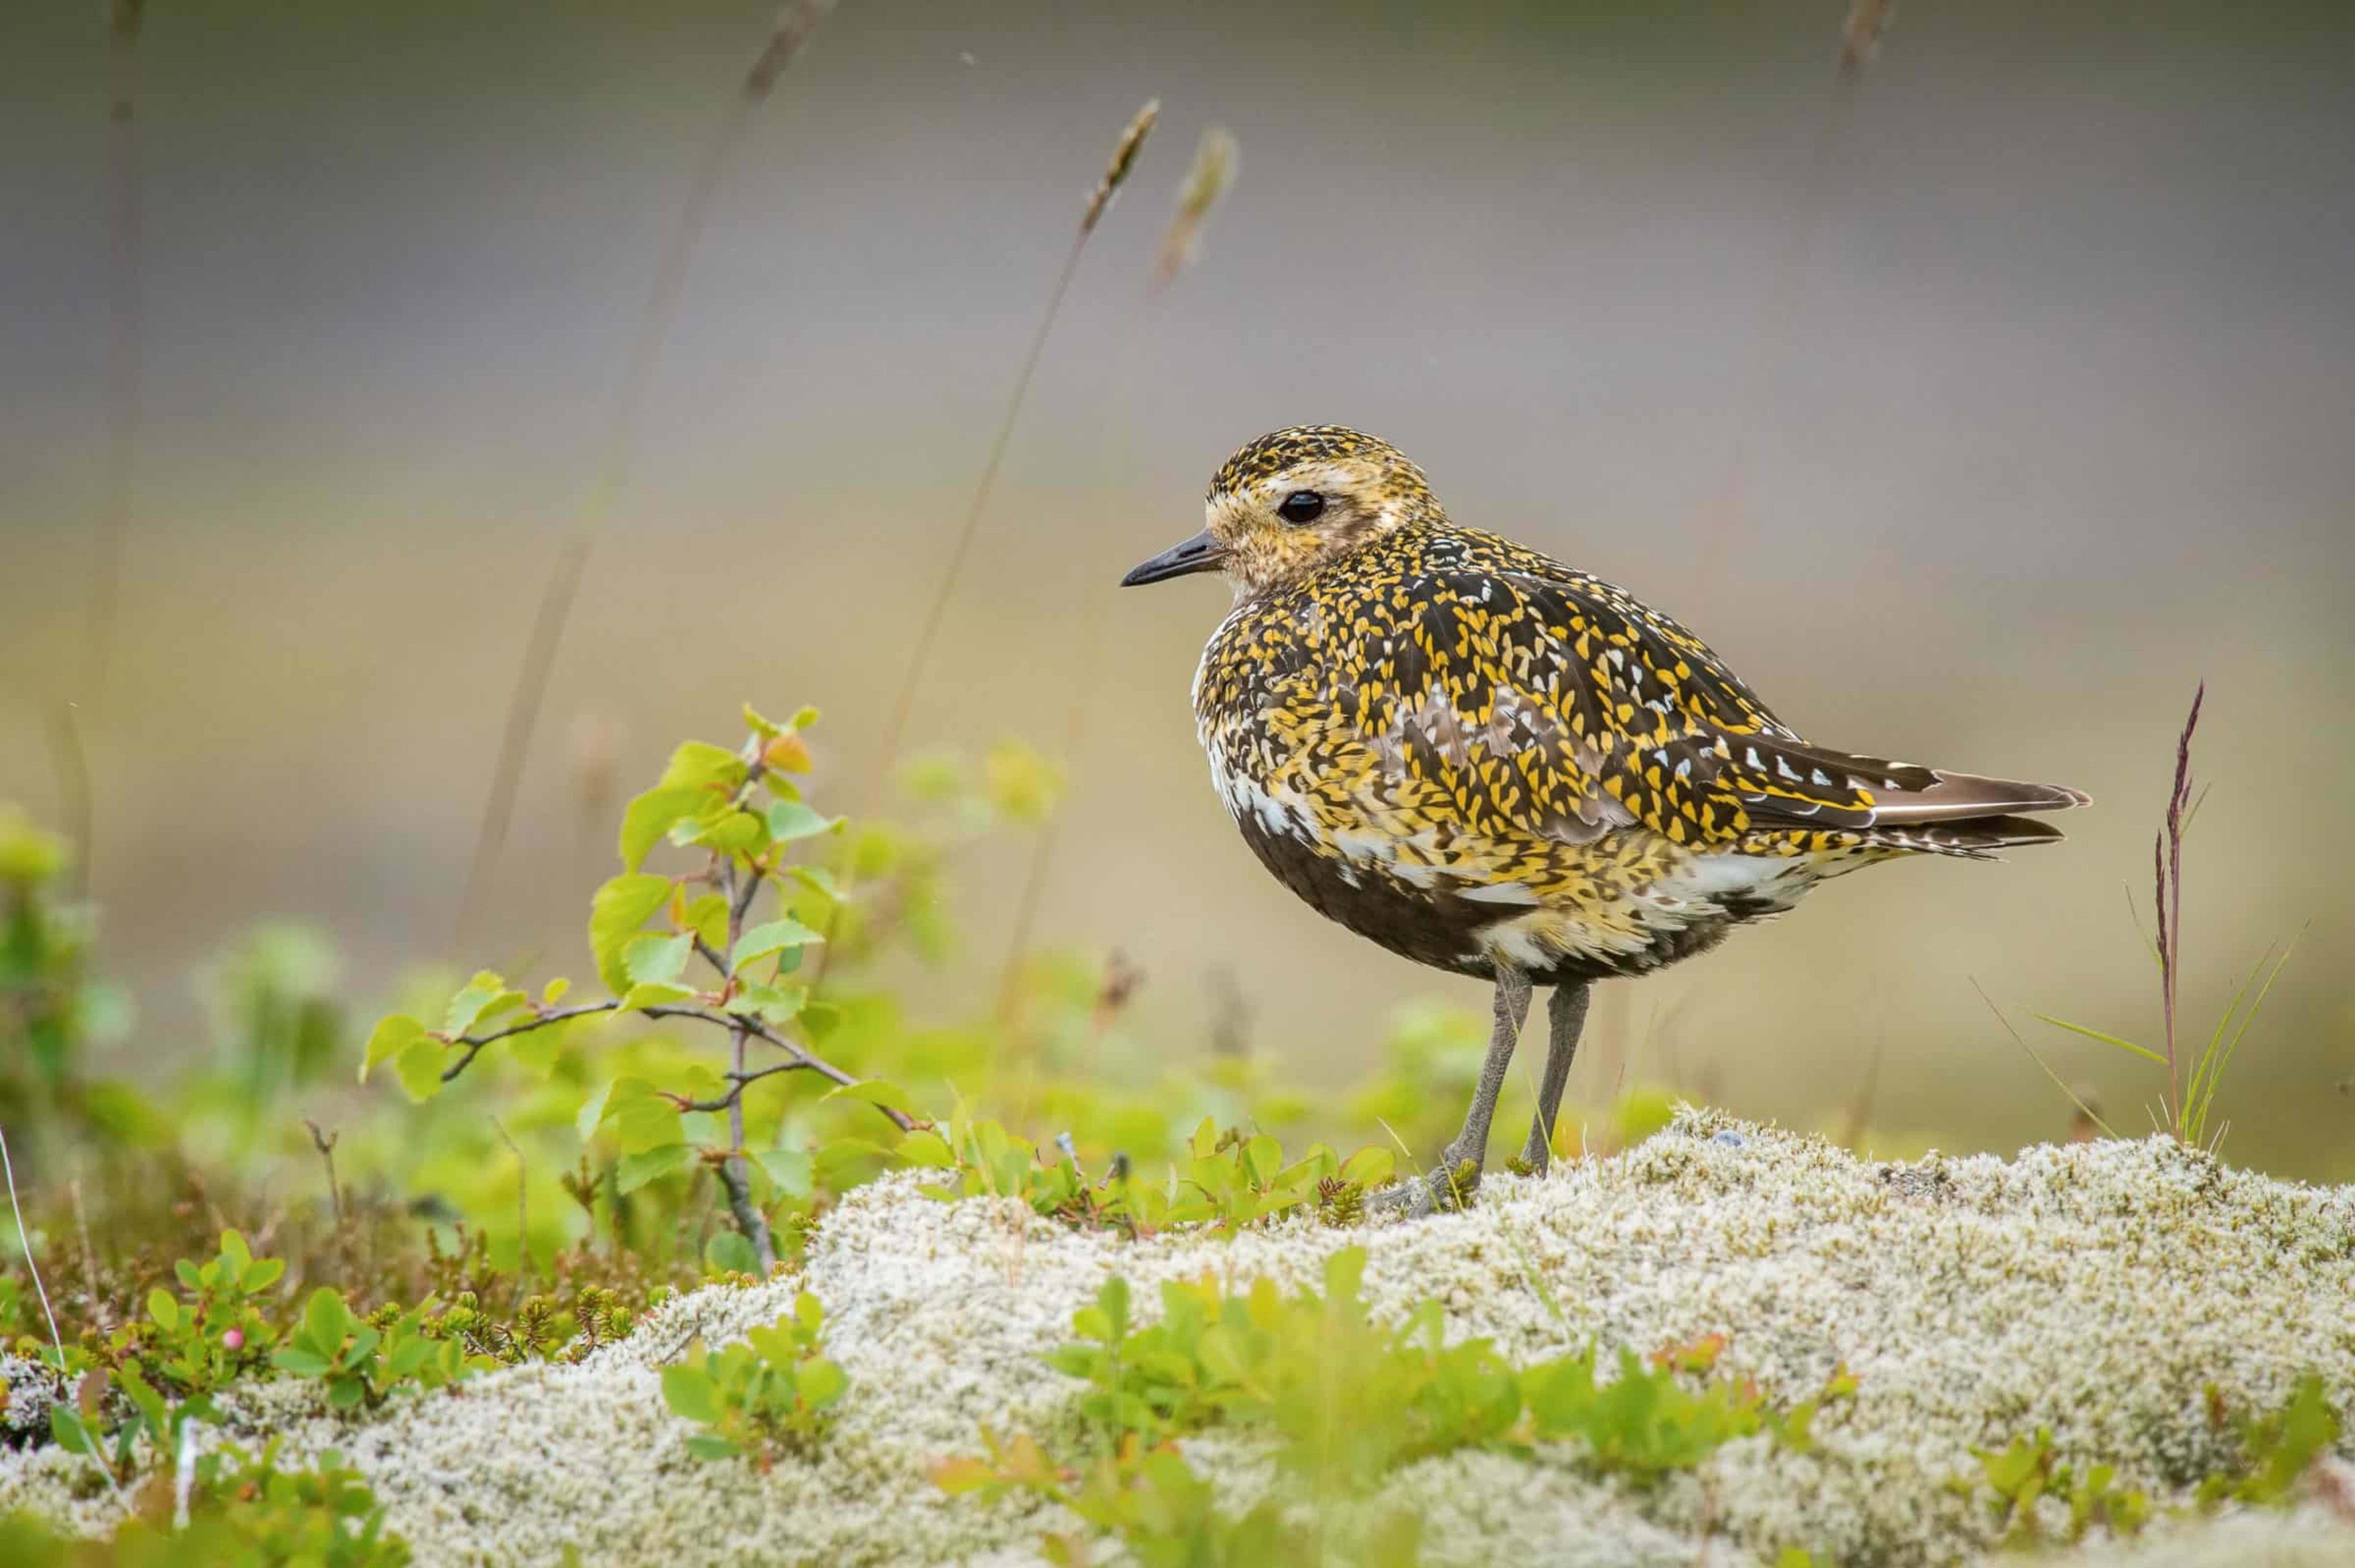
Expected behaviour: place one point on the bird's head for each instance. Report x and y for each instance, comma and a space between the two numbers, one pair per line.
1291, 502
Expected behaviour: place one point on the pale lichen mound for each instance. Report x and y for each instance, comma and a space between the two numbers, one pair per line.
2099, 1290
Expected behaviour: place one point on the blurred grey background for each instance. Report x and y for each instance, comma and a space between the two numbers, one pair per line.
2054, 421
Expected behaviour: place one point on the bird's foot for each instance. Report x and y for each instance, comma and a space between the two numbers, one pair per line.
1447, 1190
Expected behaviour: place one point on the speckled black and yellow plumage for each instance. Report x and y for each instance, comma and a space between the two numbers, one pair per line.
1492, 762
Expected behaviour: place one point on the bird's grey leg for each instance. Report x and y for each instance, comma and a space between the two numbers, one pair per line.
1565, 1020
1445, 1187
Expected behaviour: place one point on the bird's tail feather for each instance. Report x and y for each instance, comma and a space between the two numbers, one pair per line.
1820, 788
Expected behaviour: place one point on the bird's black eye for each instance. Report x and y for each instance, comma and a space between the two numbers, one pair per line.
1302, 507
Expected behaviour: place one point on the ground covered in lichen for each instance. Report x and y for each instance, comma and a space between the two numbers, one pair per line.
2099, 1290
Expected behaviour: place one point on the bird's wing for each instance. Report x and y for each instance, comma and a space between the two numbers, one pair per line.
1520, 693
1563, 705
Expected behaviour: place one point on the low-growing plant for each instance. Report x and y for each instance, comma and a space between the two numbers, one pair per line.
773, 1393
167, 1364
1230, 1180
214, 1332
2277, 1450
1150, 1500
2189, 1098
1345, 1400
2026, 1470
2275, 1453
243, 1510
361, 1360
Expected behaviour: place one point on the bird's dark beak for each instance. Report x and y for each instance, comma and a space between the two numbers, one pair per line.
1201, 553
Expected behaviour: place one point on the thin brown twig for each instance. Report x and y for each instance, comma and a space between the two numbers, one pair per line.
325, 1144
1207, 182
803, 1060
791, 31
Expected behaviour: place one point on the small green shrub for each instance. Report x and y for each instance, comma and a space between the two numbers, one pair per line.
1230, 1180
215, 1332
747, 821
774, 1393
362, 1361
2025, 1471
1345, 1402
2277, 1450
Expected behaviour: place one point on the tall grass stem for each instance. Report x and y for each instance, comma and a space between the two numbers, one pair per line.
786, 36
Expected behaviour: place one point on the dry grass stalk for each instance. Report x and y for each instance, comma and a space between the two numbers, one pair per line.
785, 39
1207, 182
795, 25
1116, 173
123, 416
2167, 894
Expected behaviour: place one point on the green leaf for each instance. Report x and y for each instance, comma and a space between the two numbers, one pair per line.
820, 1382
655, 994
699, 765
592, 1114
261, 1274
420, 1069
776, 1004
391, 1036
635, 1171
654, 960
818, 879
705, 1445
621, 907
642, 1118
730, 1251
957, 1477
788, 1167
654, 814
326, 1320
876, 1092
68, 1430
486, 995
731, 833
775, 936
2105, 1039
767, 729
791, 819
165, 1308
689, 1392
302, 1363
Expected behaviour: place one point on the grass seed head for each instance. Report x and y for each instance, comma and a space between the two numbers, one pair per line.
1124, 160
1860, 36
1215, 161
